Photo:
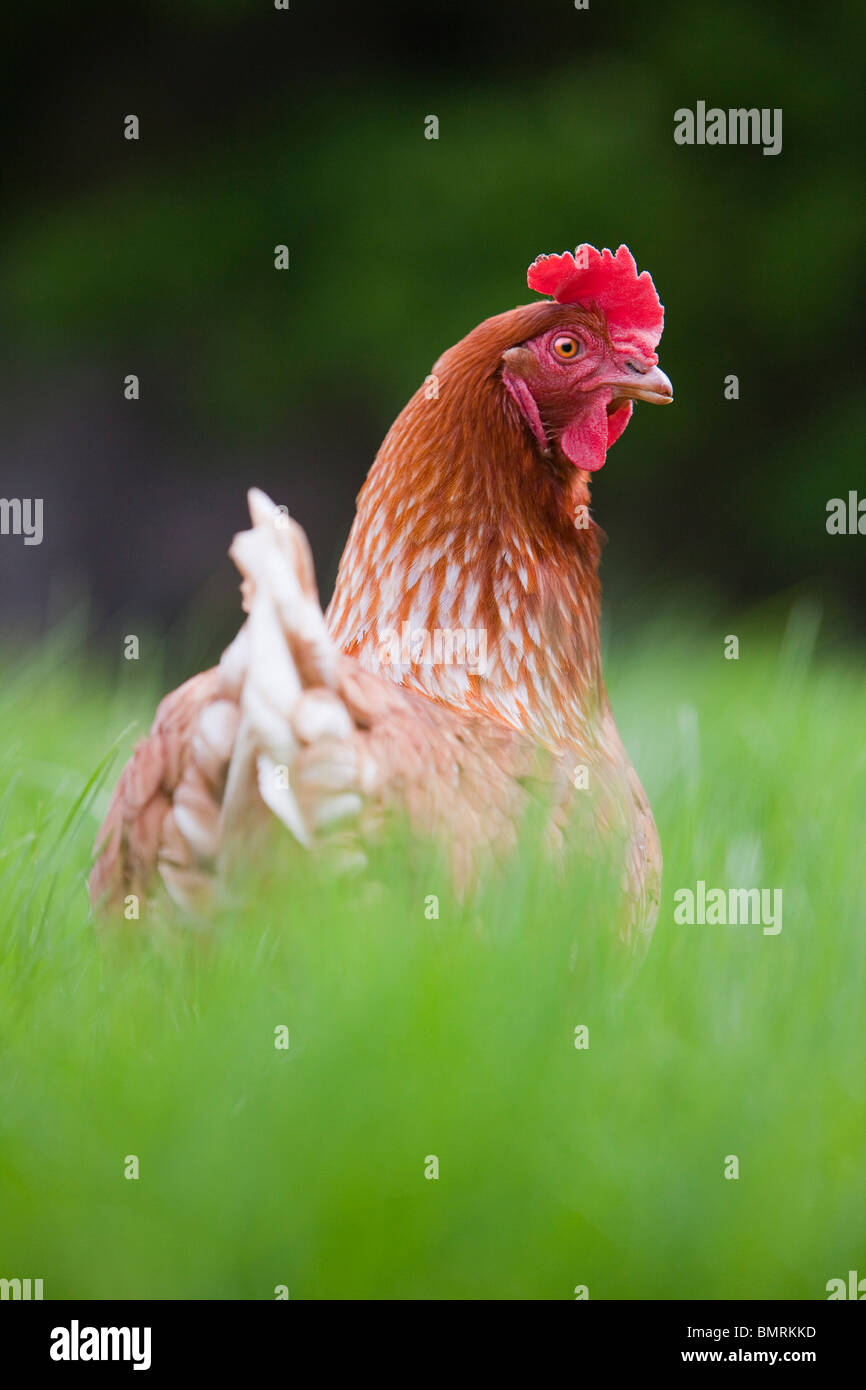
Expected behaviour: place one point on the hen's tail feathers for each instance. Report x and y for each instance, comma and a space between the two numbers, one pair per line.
263, 729
288, 725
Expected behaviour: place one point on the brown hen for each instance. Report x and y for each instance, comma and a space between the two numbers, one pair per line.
456, 678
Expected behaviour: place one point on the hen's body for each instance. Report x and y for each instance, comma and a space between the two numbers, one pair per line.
467, 527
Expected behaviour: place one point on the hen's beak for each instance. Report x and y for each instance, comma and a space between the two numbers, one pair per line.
635, 385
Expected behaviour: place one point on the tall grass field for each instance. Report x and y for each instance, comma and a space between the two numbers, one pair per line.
431, 1130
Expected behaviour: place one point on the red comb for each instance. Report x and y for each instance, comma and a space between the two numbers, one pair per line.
628, 300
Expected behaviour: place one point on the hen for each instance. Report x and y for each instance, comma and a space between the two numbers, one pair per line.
456, 677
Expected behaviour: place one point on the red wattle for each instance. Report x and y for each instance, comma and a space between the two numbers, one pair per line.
586, 440
617, 422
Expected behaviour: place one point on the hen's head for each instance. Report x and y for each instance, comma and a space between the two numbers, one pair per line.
574, 380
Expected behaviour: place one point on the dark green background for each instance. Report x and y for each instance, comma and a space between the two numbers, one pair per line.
556, 126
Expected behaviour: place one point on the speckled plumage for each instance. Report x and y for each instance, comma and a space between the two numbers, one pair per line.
461, 523
474, 519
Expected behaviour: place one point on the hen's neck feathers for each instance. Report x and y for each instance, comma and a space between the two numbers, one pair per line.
465, 528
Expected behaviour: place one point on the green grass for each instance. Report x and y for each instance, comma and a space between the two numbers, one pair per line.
305, 1167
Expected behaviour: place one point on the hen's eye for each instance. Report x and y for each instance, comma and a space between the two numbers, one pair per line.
566, 347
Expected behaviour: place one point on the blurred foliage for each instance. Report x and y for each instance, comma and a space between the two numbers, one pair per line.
453, 1037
